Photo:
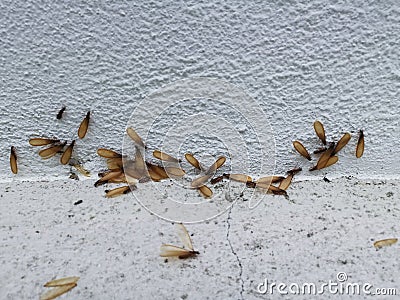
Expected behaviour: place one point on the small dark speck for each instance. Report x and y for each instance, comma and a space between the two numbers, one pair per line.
389, 194
78, 202
310, 234
326, 179
166, 260
37, 231
70, 216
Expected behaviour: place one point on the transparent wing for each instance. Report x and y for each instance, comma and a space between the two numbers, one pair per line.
167, 250
62, 281
57, 291
184, 236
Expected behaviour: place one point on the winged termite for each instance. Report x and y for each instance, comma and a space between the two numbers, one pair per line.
13, 160
135, 137
52, 150
217, 179
239, 177
57, 291
285, 183
320, 150
66, 156
168, 250
84, 126
118, 191
108, 153
108, 176
301, 149
193, 161
320, 131
360, 145
386, 242
199, 181
341, 143
60, 113
216, 165
165, 157
42, 141
62, 281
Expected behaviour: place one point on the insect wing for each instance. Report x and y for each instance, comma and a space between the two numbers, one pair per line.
83, 127
13, 160
57, 291
360, 145
62, 281
301, 149
320, 131
184, 236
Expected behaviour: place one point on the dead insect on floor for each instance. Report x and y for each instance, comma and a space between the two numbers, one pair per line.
187, 251
84, 126
118, 191
60, 113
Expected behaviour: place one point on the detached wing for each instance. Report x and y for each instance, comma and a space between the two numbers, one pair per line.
62, 281
57, 291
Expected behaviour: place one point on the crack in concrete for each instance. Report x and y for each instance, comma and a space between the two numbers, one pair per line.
234, 253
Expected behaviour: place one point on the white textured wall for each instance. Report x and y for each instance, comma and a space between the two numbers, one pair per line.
338, 62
